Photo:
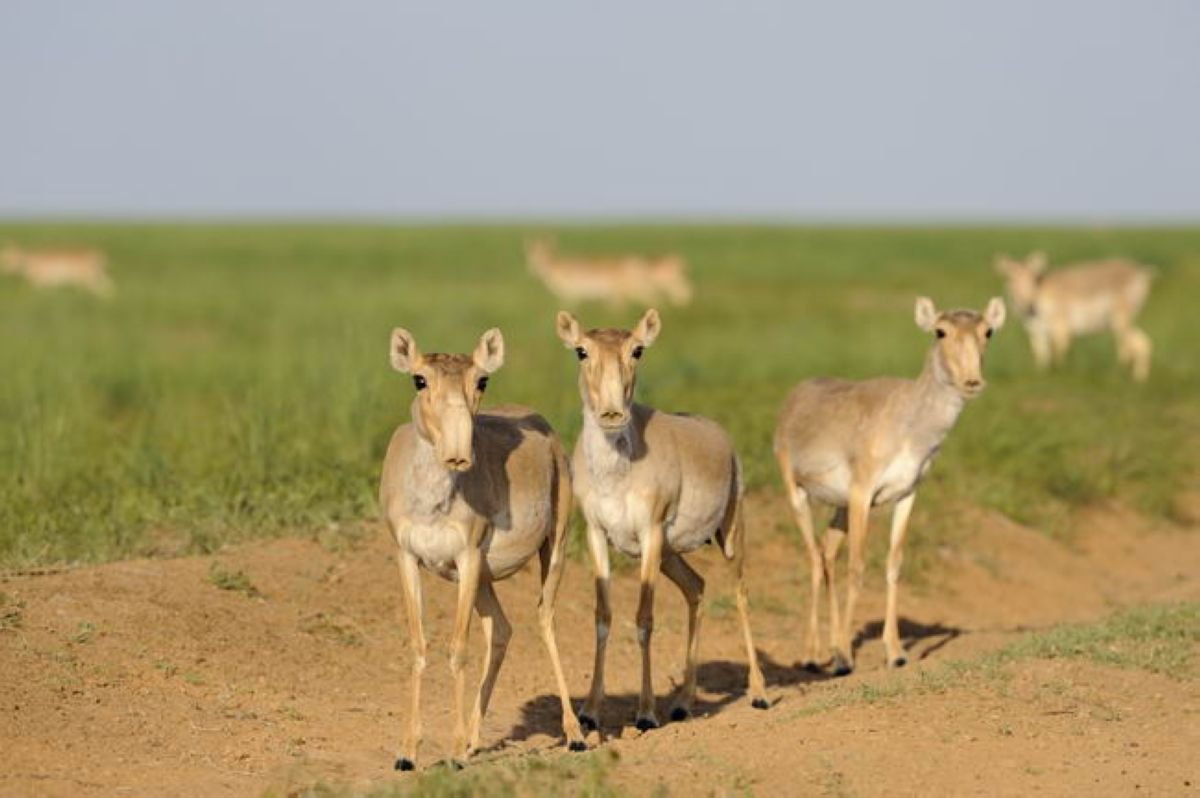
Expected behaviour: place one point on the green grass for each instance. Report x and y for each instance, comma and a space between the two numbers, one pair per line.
237, 386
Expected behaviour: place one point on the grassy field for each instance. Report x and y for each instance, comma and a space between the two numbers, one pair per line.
238, 384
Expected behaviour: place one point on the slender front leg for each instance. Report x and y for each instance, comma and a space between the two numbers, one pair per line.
891, 625
1140, 350
652, 552
496, 633
410, 586
468, 567
691, 584
800, 506
1060, 337
860, 505
589, 716
835, 533
553, 560
1039, 344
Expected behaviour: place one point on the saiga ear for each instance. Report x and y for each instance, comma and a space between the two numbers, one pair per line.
404, 353
925, 313
648, 328
567, 328
995, 313
489, 353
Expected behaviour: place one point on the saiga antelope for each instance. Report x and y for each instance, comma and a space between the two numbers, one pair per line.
472, 495
656, 486
627, 278
85, 268
1080, 299
857, 445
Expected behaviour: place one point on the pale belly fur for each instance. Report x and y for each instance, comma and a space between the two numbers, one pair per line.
895, 481
624, 517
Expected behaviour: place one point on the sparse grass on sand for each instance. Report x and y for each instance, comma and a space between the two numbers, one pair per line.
238, 386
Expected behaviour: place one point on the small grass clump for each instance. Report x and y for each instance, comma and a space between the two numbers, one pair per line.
222, 578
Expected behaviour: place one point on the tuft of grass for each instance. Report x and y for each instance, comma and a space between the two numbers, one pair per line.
586, 775
11, 616
223, 579
343, 632
84, 633
236, 385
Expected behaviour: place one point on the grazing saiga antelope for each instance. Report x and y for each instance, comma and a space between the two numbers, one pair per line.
617, 280
1080, 299
656, 486
857, 445
47, 268
472, 495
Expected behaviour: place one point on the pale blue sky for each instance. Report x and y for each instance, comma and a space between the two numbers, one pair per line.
778, 110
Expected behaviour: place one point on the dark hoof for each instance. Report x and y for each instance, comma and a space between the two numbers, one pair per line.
678, 714
404, 763
898, 662
760, 703
646, 724
588, 722
811, 667
577, 745
841, 666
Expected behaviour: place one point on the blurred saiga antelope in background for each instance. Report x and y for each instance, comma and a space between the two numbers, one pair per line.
656, 486
615, 279
472, 495
855, 445
1080, 299
47, 268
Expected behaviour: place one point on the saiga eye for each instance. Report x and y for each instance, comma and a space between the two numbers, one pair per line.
419, 382
579, 350
941, 333
637, 352
482, 384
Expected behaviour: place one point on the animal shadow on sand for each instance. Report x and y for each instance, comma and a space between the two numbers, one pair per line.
725, 679
913, 634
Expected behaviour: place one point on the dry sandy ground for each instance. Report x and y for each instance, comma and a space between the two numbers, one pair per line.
143, 677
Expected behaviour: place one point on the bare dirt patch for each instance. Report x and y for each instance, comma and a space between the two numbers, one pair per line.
280, 665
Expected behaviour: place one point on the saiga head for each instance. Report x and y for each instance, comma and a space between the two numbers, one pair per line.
449, 390
608, 361
960, 340
1022, 278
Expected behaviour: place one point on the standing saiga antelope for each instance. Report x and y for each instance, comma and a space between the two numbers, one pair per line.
1080, 299
857, 445
472, 495
48, 268
616, 279
656, 486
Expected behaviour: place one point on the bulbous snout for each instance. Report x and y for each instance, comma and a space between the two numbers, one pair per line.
458, 463
973, 386
455, 442
613, 419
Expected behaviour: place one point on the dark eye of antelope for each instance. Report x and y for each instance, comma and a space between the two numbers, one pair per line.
481, 384
419, 382
637, 352
941, 333
579, 350
989, 332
